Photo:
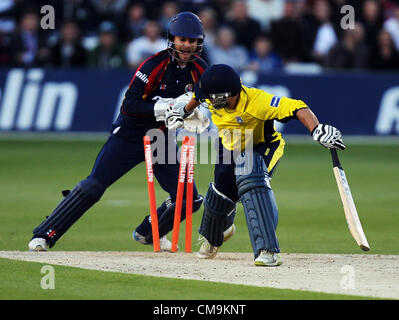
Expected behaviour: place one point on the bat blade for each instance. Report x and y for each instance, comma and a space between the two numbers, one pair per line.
351, 215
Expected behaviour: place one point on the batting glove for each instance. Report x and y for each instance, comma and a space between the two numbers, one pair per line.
328, 136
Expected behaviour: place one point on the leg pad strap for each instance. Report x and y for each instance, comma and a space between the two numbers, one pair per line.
219, 212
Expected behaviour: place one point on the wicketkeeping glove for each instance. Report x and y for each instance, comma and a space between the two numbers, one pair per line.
164, 105
196, 122
173, 119
328, 136
176, 112
160, 107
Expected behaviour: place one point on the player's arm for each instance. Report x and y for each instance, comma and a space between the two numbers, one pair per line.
307, 118
192, 120
325, 134
175, 116
135, 101
284, 109
191, 105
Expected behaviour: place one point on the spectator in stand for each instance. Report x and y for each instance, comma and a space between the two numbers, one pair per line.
351, 52
208, 17
245, 28
108, 54
110, 10
265, 11
196, 5
325, 34
221, 6
5, 51
392, 26
133, 23
8, 13
28, 44
372, 19
226, 51
336, 15
145, 46
81, 11
287, 33
169, 9
384, 56
262, 58
69, 52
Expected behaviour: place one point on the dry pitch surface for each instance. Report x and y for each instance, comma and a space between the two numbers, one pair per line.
363, 275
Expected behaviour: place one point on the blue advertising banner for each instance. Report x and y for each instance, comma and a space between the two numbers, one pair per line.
357, 104
88, 100
60, 100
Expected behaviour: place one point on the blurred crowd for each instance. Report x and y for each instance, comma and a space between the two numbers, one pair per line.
257, 35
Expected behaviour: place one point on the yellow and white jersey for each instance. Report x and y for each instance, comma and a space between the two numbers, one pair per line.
254, 115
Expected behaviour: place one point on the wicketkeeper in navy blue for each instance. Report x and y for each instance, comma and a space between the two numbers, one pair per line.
159, 84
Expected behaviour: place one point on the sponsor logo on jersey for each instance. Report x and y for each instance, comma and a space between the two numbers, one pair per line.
239, 120
189, 88
275, 101
143, 77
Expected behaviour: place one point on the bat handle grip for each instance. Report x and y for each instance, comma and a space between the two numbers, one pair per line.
335, 159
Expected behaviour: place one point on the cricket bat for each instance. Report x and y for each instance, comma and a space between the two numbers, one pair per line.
352, 218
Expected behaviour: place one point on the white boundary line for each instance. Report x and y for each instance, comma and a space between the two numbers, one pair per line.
102, 136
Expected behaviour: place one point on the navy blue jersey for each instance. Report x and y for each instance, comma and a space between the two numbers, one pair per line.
160, 75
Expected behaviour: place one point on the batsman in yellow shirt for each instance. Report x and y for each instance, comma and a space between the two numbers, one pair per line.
249, 150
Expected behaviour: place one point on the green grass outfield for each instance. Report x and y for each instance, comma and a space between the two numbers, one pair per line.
33, 173
23, 282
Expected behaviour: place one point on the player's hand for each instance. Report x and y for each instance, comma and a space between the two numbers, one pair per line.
176, 111
178, 105
173, 119
196, 122
164, 105
160, 107
328, 136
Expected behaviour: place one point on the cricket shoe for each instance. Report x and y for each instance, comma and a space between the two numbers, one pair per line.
38, 244
208, 251
268, 259
164, 243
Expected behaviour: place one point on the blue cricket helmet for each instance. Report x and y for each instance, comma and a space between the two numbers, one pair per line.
186, 24
218, 83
